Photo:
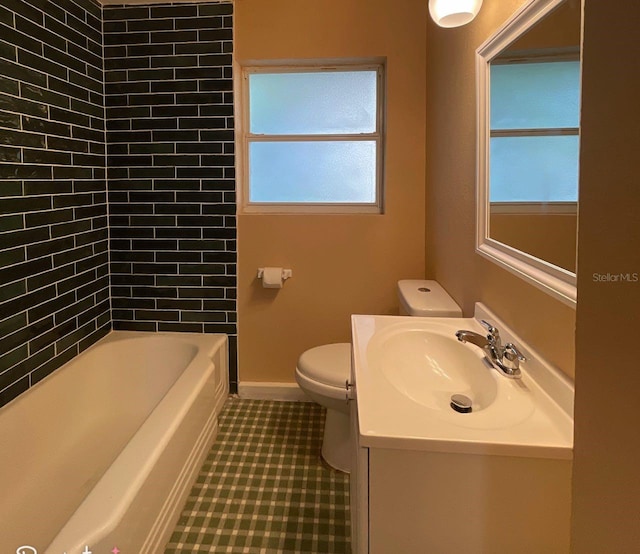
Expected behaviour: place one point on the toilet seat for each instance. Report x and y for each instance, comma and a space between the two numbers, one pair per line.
329, 364
331, 393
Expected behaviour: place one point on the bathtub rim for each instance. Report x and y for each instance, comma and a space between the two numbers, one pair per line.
111, 336
100, 512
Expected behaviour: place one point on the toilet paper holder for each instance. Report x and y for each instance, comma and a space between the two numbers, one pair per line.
286, 273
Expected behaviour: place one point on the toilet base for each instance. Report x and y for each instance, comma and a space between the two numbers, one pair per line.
336, 442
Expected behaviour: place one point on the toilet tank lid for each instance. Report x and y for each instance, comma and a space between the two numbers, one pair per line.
426, 298
329, 364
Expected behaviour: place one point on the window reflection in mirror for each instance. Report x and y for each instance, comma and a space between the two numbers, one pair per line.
534, 139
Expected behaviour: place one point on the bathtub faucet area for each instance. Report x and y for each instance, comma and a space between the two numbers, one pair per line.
506, 359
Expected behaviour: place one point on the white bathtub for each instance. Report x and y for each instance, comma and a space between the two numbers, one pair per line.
104, 451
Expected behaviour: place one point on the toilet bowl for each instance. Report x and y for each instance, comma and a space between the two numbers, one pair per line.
323, 371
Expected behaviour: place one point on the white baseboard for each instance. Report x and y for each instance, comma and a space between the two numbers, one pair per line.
256, 390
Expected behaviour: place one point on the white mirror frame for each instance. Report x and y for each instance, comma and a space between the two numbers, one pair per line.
557, 282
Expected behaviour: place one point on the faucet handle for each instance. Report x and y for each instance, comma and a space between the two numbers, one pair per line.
488, 326
493, 331
512, 356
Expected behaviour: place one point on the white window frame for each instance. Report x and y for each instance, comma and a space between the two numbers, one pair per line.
245, 138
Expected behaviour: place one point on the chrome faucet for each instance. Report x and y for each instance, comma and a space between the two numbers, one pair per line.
506, 359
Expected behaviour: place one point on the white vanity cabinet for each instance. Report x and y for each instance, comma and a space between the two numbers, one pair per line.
417, 502
427, 479
359, 488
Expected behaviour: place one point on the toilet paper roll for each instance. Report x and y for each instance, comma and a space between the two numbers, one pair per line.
272, 278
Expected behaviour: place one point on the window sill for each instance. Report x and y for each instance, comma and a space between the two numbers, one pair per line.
292, 209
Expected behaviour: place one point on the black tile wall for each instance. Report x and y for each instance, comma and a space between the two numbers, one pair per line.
171, 177
54, 262
169, 114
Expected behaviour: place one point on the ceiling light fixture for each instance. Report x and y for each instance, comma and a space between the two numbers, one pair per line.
454, 13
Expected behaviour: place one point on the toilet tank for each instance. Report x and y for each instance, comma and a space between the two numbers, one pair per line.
426, 299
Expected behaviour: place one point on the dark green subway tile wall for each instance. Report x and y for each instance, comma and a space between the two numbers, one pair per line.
54, 263
117, 184
171, 177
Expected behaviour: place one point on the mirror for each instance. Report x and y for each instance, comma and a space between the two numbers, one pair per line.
528, 98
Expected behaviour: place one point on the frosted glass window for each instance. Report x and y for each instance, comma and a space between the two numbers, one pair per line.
325, 172
534, 169
535, 119
313, 139
535, 95
313, 103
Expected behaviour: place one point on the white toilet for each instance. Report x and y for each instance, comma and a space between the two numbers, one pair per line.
322, 372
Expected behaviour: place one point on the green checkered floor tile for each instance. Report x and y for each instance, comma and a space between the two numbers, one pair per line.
263, 489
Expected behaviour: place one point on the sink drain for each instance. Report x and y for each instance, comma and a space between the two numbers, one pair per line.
461, 403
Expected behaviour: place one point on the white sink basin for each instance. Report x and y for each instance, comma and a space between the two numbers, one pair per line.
406, 370
430, 368
424, 361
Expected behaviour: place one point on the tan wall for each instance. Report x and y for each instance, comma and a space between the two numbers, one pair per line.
545, 323
551, 237
560, 30
606, 491
342, 264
